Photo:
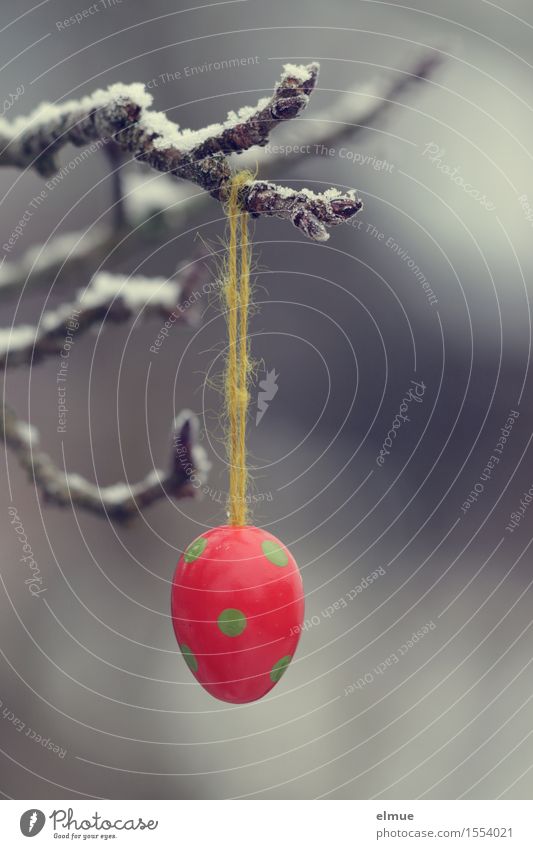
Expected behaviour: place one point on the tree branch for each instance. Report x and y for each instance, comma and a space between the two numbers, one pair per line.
110, 297
350, 115
143, 196
187, 470
121, 116
121, 113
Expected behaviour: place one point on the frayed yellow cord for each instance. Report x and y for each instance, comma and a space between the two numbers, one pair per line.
238, 363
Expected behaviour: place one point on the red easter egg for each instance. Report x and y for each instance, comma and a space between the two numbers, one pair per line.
237, 611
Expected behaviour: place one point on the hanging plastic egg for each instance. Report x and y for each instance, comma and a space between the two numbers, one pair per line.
237, 611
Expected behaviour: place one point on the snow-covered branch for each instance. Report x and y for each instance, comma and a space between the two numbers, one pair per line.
76, 255
109, 297
187, 469
122, 114
349, 115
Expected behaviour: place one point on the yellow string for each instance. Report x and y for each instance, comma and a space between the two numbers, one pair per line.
238, 363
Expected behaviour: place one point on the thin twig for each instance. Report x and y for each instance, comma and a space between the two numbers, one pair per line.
121, 113
186, 471
110, 297
349, 116
345, 118
121, 117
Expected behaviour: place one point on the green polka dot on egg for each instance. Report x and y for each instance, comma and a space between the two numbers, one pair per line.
232, 622
195, 549
189, 658
274, 552
279, 668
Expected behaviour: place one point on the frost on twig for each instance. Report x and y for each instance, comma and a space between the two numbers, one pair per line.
121, 501
311, 213
154, 202
122, 113
109, 297
347, 116
115, 298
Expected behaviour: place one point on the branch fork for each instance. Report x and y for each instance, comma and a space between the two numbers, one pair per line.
122, 116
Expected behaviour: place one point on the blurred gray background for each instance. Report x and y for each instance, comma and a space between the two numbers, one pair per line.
93, 664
